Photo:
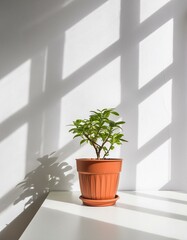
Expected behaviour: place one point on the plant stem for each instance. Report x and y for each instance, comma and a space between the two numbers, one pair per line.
96, 146
107, 151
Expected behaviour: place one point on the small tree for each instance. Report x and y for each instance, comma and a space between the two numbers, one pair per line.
99, 131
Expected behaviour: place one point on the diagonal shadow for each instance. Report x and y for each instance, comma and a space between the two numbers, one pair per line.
154, 143
153, 211
155, 21
15, 229
149, 195
153, 85
8, 198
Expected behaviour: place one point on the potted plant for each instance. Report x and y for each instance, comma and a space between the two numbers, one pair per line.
99, 176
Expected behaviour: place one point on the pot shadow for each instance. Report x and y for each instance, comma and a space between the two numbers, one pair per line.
50, 175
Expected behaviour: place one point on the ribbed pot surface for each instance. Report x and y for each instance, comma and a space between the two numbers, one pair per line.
99, 178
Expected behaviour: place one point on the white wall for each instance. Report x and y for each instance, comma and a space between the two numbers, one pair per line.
61, 59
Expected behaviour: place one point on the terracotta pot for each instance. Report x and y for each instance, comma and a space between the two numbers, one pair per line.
99, 180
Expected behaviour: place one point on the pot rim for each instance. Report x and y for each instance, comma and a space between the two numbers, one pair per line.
100, 160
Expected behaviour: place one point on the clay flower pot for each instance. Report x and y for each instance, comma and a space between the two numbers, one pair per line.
99, 180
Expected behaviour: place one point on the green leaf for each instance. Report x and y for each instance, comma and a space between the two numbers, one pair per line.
78, 135
105, 149
115, 113
82, 141
119, 123
112, 124
71, 130
123, 140
120, 135
94, 113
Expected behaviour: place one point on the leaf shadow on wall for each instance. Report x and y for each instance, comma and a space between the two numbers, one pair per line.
49, 175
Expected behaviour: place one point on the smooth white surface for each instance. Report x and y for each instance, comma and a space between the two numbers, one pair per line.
137, 215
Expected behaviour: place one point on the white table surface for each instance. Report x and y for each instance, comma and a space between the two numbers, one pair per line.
149, 215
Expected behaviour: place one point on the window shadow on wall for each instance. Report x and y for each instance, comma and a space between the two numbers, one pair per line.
40, 37
156, 138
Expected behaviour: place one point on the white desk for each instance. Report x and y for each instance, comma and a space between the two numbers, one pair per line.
137, 215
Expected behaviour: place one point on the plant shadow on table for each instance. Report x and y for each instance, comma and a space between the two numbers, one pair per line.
49, 175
